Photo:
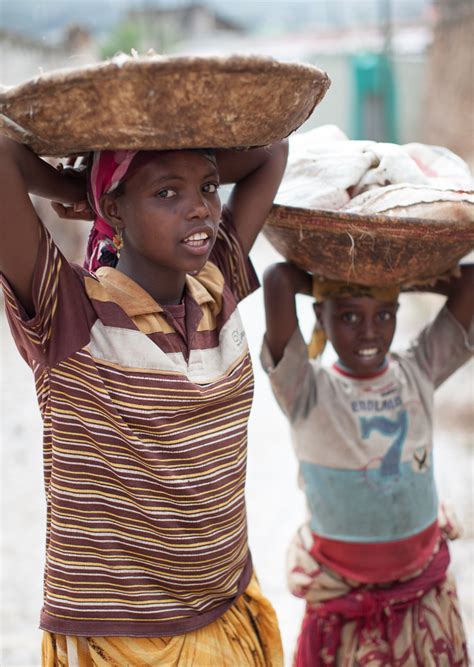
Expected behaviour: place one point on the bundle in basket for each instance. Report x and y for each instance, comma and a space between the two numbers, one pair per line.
162, 103
372, 213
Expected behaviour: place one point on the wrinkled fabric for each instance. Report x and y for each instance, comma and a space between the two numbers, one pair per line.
414, 622
247, 635
327, 171
324, 289
107, 171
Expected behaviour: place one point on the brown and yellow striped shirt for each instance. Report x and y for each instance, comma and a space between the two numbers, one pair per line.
145, 430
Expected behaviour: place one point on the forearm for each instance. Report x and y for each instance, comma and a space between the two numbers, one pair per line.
39, 177
257, 174
281, 283
236, 165
22, 173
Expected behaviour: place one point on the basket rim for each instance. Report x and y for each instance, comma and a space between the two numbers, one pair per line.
341, 222
16, 120
115, 68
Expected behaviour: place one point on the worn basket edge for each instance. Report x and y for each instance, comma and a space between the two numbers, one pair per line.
110, 68
320, 220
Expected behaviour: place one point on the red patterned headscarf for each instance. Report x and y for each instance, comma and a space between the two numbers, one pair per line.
107, 171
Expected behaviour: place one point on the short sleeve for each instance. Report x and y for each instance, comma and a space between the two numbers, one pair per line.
60, 325
293, 379
231, 260
442, 347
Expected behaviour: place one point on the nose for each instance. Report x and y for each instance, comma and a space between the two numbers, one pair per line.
197, 208
368, 329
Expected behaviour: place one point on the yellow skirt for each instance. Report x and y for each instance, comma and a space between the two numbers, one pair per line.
247, 635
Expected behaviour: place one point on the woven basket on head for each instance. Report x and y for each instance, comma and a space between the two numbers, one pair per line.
371, 249
162, 103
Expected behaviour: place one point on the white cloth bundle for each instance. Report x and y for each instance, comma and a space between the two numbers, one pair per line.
328, 171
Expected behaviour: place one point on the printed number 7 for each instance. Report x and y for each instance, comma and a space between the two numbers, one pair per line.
390, 427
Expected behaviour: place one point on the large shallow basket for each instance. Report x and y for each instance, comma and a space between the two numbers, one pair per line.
162, 102
369, 250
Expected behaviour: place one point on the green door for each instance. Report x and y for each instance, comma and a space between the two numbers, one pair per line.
374, 97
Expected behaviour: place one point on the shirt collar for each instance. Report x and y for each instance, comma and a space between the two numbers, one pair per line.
344, 370
134, 300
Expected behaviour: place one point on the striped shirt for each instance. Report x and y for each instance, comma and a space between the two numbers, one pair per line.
145, 435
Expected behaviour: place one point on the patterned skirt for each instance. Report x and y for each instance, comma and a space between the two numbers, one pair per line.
247, 635
411, 623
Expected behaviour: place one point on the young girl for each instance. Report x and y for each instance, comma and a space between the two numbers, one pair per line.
145, 385
372, 564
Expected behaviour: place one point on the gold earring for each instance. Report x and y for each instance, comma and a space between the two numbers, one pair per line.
117, 241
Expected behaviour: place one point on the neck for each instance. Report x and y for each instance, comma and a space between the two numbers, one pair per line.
361, 374
163, 284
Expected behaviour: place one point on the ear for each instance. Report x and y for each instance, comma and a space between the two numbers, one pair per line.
110, 208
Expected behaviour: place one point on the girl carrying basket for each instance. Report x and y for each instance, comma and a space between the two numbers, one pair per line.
144, 384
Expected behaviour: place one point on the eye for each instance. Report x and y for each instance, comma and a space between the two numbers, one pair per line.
166, 193
350, 318
385, 315
210, 188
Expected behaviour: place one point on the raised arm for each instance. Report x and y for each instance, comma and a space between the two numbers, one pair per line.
21, 173
257, 174
281, 283
461, 296
460, 293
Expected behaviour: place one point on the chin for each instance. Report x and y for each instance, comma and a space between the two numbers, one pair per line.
196, 267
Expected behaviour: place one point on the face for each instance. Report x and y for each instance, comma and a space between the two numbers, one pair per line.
169, 211
360, 330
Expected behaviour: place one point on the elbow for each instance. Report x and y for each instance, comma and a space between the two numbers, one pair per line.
283, 147
275, 275
286, 276
280, 151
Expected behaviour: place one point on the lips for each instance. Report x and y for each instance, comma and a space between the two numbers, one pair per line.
198, 241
